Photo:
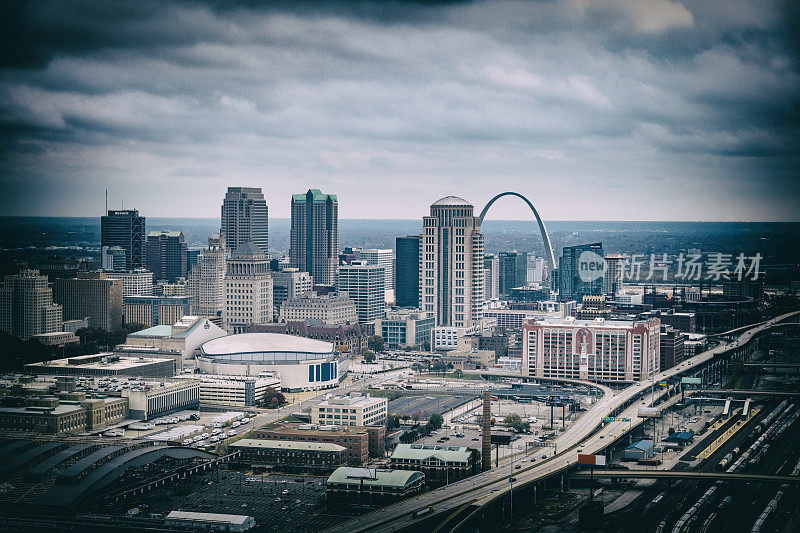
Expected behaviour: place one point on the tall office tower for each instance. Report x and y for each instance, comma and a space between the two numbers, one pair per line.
612, 274
125, 228
364, 283
491, 277
289, 283
248, 289
451, 263
580, 271
166, 255
96, 295
314, 240
513, 271
26, 305
207, 278
537, 271
245, 218
406, 292
384, 258
112, 258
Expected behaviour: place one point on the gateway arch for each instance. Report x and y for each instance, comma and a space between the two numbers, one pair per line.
548, 250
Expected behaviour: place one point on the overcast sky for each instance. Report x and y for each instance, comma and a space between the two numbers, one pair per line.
594, 109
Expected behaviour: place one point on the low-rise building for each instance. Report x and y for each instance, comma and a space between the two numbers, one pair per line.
332, 308
440, 464
52, 415
406, 327
288, 456
469, 360
104, 364
642, 449
179, 341
236, 391
361, 441
152, 311
151, 400
346, 487
353, 410
57, 338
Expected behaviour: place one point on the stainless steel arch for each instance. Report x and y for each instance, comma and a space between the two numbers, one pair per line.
548, 249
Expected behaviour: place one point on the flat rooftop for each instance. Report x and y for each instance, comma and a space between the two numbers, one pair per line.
120, 362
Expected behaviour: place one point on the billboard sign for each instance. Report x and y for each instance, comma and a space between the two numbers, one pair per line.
691, 381
596, 460
649, 412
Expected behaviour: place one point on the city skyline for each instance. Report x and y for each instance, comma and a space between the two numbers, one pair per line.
594, 111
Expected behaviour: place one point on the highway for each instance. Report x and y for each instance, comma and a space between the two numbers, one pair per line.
468, 496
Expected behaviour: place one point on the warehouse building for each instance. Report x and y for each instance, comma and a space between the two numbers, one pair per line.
642, 449
210, 521
281, 456
345, 487
440, 464
361, 442
105, 364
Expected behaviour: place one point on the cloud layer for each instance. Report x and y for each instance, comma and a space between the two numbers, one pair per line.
596, 109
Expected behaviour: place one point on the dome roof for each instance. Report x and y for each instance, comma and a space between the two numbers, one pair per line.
263, 343
247, 249
451, 200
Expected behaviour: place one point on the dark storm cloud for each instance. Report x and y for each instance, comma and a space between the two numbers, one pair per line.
635, 100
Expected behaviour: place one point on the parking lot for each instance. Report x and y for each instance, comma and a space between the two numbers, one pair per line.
279, 503
424, 406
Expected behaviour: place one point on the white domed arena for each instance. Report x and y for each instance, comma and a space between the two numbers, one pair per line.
300, 363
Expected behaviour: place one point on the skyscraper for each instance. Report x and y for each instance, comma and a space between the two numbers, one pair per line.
245, 218
26, 305
491, 277
364, 283
248, 289
314, 239
166, 255
513, 271
384, 258
451, 269
207, 278
406, 277
580, 271
612, 274
124, 228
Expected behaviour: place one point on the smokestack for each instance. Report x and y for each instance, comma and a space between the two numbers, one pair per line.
486, 453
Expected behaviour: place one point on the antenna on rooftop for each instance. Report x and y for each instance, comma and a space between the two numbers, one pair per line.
106, 201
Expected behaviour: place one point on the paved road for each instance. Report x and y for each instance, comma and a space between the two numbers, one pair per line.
483, 488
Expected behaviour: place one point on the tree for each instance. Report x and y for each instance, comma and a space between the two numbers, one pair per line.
369, 356
670, 431
273, 398
392, 422
375, 343
436, 420
439, 366
515, 422
426, 346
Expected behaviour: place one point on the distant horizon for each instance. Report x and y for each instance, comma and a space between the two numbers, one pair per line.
696, 221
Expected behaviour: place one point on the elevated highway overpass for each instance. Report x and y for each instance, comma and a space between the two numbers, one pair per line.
458, 503
702, 476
